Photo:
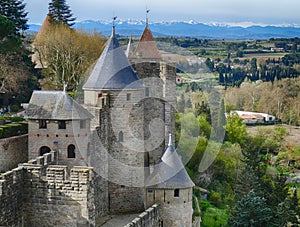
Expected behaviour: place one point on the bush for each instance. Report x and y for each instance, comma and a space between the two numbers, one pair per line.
215, 198
215, 217
7, 119
204, 205
13, 129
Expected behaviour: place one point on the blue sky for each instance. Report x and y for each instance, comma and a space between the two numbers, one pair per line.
230, 11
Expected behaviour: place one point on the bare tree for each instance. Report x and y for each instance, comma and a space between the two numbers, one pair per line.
66, 55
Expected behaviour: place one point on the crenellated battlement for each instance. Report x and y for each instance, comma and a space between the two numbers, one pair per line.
149, 218
40, 184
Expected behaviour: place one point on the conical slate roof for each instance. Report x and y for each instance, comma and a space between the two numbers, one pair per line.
55, 105
147, 48
169, 173
113, 70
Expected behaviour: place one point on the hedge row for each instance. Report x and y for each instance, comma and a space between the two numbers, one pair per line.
13, 129
7, 120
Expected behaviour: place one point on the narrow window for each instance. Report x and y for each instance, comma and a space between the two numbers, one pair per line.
71, 151
128, 97
176, 193
42, 124
121, 137
83, 124
61, 124
147, 92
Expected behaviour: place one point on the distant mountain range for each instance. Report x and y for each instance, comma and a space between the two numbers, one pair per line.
189, 29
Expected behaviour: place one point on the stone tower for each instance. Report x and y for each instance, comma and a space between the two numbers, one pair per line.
171, 187
57, 122
114, 94
159, 80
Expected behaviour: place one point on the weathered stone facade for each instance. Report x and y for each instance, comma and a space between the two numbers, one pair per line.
149, 218
39, 193
13, 150
173, 207
59, 139
117, 149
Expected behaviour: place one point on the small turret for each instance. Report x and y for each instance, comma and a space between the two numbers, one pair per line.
171, 187
130, 48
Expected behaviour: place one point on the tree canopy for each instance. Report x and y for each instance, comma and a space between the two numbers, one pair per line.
60, 13
9, 42
14, 10
66, 56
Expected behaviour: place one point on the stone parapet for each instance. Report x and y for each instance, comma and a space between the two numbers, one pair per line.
149, 218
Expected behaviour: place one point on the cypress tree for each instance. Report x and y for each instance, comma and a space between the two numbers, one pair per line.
14, 10
60, 13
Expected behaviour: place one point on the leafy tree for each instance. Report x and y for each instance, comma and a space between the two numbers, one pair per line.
220, 130
251, 210
9, 42
16, 75
60, 13
68, 55
14, 10
235, 129
205, 127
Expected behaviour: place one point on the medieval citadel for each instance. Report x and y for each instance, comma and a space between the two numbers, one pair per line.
112, 154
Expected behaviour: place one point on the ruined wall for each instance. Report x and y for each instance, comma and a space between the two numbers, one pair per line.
149, 218
13, 150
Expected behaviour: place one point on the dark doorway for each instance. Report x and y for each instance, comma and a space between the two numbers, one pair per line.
71, 151
44, 150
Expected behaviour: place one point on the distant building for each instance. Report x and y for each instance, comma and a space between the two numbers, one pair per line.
253, 117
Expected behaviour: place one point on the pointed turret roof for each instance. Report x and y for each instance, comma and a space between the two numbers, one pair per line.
147, 47
56, 105
113, 70
130, 48
44, 27
169, 173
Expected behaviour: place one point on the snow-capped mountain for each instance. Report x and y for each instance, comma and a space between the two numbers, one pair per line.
242, 30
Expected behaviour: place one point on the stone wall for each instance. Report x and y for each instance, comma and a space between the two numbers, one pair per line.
149, 218
125, 153
174, 211
13, 150
59, 139
39, 193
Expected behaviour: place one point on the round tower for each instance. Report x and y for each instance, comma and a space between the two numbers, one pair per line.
170, 186
113, 93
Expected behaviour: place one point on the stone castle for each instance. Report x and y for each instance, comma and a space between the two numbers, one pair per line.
112, 154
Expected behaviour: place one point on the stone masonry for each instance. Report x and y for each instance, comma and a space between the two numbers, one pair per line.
39, 193
13, 150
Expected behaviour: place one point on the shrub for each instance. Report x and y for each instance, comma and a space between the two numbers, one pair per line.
13, 129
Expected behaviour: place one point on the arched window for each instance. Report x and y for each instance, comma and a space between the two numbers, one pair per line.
121, 137
44, 150
71, 151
